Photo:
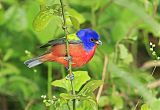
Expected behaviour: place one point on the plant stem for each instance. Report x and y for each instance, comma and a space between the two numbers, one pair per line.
49, 82
67, 51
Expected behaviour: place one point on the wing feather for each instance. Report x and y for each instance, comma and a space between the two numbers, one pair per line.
60, 41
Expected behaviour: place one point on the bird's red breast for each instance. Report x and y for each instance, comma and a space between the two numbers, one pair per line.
79, 55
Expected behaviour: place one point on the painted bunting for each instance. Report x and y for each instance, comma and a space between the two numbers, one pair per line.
81, 50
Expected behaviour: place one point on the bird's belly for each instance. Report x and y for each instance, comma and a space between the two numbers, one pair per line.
79, 56
77, 61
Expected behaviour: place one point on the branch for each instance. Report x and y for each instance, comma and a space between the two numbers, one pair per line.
67, 51
150, 64
103, 77
67, 43
29, 104
154, 84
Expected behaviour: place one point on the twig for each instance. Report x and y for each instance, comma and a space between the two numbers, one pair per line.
103, 77
150, 64
153, 70
67, 51
154, 84
49, 82
137, 103
30, 103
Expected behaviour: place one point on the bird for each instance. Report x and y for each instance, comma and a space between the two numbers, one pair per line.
81, 50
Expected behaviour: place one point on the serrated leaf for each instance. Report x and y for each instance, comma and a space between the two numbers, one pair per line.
90, 87
93, 104
42, 19
44, 16
90, 104
80, 77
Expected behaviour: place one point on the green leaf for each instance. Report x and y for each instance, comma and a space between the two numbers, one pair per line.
155, 105
41, 2
75, 22
80, 77
67, 96
124, 54
73, 37
8, 54
117, 101
145, 107
128, 59
90, 87
9, 69
93, 104
76, 15
90, 104
123, 51
44, 16
103, 101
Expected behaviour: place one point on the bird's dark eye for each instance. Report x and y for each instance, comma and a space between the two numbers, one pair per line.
91, 39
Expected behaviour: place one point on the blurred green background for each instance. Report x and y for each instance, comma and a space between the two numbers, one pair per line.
126, 28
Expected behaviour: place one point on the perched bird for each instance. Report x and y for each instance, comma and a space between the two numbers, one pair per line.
81, 51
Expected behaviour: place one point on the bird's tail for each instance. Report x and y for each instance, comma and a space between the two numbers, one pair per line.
35, 61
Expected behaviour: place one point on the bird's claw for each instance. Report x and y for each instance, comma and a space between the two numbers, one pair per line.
67, 68
68, 58
70, 77
64, 27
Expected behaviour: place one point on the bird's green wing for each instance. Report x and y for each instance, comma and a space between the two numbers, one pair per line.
72, 38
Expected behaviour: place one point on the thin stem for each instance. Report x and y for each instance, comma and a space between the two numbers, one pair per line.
49, 81
67, 51
103, 77
153, 70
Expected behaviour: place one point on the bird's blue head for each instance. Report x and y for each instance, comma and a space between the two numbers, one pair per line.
89, 38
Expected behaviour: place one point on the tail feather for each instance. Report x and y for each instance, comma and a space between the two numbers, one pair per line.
33, 62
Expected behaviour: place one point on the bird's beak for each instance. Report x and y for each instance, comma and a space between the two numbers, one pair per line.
98, 42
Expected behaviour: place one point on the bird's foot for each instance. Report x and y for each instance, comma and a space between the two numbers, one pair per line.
64, 27
70, 77
67, 68
68, 58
